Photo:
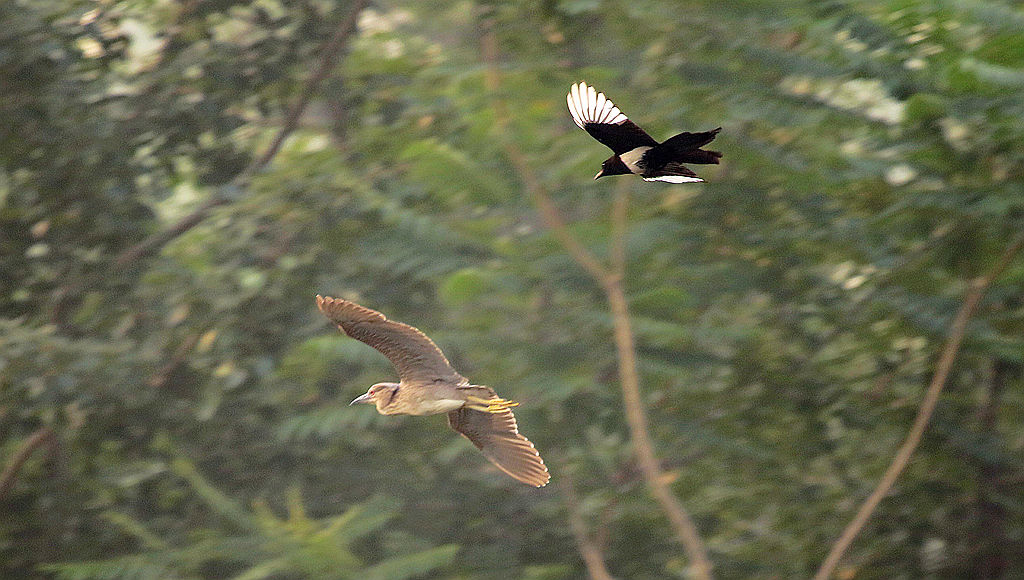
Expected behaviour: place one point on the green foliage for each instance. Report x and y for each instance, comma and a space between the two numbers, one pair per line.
258, 544
788, 312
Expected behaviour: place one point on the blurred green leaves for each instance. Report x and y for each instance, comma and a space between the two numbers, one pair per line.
787, 311
436, 166
256, 543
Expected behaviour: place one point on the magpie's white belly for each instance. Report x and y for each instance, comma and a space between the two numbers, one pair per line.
632, 158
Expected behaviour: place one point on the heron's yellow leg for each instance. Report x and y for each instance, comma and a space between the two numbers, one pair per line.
497, 405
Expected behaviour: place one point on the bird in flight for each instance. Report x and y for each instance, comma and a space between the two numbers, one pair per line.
428, 385
635, 151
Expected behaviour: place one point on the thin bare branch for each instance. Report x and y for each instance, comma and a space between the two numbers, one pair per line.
328, 55
553, 220
42, 436
591, 553
611, 281
159, 378
155, 242
955, 337
620, 221
548, 210
636, 416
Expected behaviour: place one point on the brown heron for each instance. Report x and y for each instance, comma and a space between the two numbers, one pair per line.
428, 385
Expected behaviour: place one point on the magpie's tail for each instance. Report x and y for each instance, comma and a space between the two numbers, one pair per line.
687, 141
700, 156
672, 172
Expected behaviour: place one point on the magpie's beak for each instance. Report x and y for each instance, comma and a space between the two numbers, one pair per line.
364, 398
599, 174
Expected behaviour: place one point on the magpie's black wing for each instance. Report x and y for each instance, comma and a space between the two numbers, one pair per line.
596, 115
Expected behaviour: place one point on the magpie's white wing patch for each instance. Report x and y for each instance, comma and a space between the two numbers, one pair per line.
674, 179
589, 106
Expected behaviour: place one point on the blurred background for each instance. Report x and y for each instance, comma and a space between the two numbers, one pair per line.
172, 405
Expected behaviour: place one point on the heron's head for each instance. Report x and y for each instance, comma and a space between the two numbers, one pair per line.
612, 166
380, 394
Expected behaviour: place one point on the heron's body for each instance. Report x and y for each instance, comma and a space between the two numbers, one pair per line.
406, 400
428, 385
417, 404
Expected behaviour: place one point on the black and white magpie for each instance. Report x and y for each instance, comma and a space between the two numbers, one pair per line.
635, 151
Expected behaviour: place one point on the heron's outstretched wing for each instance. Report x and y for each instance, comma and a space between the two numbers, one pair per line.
415, 356
597, 115
497, 436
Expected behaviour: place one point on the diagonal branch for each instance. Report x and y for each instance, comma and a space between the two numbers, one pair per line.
328, 55
620, 221
42, 436
957, 330
629, 376
155, 242
636, 417
548, 211
160, 378
591, 553
611, 282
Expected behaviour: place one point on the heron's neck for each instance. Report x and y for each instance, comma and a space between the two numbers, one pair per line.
386, 403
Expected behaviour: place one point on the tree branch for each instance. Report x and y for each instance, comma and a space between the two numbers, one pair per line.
328, 54
548, 211
159, 378
155, 242
611, 282
636, 417
620, 221
957, 330
42, 436
591, 553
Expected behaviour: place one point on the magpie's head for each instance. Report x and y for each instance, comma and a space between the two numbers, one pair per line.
612, 166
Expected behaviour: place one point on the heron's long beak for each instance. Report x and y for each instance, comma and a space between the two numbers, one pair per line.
599, 174
364, 398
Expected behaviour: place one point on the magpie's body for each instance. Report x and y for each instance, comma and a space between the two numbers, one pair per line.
635, 151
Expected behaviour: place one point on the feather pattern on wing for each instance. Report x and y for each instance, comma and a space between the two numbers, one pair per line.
416, 357
588, 106
497, 436
597, 115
